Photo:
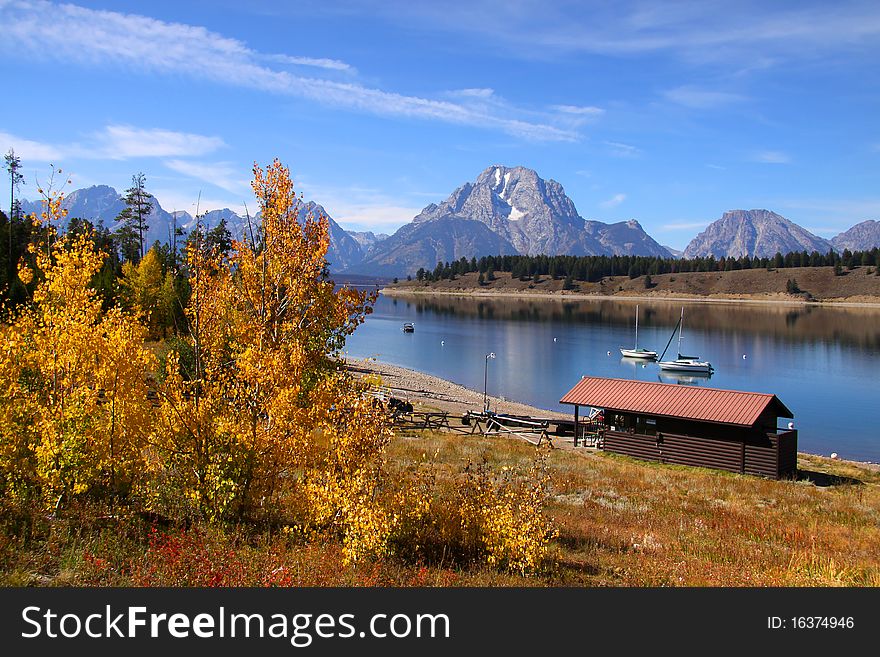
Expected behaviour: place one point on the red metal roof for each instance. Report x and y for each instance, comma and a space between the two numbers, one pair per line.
672, 400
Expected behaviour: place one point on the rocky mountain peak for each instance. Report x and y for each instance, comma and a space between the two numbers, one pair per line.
861, 237
532, 214
753, 232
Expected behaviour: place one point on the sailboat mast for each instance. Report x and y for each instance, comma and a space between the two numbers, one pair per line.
637, 327
680, 330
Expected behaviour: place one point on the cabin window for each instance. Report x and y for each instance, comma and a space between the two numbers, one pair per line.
619, 422
646, 425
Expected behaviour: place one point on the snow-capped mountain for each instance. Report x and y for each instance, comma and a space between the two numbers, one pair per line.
505, 211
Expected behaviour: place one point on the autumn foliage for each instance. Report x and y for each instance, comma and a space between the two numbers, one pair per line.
74, 415
249, 415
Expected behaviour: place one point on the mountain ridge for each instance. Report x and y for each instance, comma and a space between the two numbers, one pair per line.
504, 211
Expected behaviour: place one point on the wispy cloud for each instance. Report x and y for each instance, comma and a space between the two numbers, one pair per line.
823, 230
477, 92
614, 201
117, 142
578, 115
382, 218
847, 210
125, 141
30, 150
619, 149
744, 34
360, 207
696, 98
106, 38
316, 62
772, 157
220, 174
685, 225
176, 200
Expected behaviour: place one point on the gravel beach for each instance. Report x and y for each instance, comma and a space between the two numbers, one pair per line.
426, 392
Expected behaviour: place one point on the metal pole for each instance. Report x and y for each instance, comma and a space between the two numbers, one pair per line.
486, 382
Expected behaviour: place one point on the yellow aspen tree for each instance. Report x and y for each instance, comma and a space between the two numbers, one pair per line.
143, 289
73, 381
269, 421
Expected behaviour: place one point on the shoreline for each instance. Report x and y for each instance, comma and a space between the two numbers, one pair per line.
426, 391
429, 391
579, 296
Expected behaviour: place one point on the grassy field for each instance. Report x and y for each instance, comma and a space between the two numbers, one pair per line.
620, 523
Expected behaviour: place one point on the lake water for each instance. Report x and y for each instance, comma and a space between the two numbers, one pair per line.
822, 362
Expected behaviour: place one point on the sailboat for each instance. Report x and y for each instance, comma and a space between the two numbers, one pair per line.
635, 352
684, 363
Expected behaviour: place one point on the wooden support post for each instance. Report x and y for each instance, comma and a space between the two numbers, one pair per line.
576, 407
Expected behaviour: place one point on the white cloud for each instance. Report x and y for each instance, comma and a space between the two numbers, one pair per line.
772, 157
614, 201
473, 93
106, 38
744, 34
377, 218
29, 150
619, 149
317, 62
587, 110
700, 98
360, 207
847, 212
176, 200
124, 142
577, 115
116, 142
823, 230
220, 174
684, 225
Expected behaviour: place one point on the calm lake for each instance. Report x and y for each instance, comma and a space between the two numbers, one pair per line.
822, 362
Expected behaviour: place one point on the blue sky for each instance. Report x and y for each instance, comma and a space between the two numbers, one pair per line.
665, 112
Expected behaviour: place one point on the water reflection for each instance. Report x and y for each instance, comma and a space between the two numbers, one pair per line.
822, 362
684, 378
847, 325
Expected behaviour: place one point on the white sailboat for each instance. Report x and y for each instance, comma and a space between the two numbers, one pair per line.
684, 363
635, 352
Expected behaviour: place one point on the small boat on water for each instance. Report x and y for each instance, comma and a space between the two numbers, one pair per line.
684, 363
635, 352
409, 327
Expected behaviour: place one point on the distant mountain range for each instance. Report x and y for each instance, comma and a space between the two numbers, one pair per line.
506, 211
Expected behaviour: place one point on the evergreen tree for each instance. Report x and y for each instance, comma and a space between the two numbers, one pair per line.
138, 205
13, 164
219, 238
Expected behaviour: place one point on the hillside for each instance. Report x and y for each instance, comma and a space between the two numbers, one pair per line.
859, 285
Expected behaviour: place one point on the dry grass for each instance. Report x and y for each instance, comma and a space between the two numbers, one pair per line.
621, 523
858, 285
